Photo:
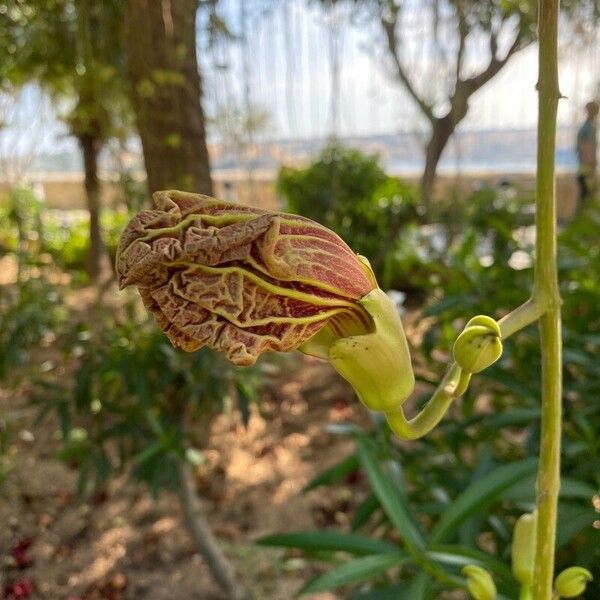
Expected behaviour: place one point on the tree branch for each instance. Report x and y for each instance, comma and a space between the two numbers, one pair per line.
206, 544
472, 84
389, 26
463, 31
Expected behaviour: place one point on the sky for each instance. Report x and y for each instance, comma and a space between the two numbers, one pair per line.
287, 55
289, 65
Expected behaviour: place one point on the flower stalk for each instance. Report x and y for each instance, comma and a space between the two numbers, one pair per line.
546, 293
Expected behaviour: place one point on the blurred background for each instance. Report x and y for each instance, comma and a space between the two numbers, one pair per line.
131, 470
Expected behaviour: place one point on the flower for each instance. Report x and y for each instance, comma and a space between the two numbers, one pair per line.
242, 280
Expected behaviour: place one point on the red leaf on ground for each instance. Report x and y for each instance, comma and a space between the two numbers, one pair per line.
21, 588
19, 553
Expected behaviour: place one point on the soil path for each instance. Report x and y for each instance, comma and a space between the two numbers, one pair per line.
123, 544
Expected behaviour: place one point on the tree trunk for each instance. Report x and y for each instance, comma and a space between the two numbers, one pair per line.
161, 52
97, 255
219, 566
441, 132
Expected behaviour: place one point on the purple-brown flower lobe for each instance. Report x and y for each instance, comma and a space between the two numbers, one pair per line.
239, 279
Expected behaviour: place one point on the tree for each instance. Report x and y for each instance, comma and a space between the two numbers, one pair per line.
161, 52
456, 26
463, 44
73, 50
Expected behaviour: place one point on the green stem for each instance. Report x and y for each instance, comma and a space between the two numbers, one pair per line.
522, 316
546, 291
455, 381
525, 593
435, 409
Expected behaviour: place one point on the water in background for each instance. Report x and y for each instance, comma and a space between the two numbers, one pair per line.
498, 151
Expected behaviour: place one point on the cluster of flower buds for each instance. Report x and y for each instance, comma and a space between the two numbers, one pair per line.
570, 583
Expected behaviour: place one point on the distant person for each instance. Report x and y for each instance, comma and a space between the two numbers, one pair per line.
586, 154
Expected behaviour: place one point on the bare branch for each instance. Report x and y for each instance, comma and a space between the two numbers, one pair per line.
389, 26
463, 31
472, 84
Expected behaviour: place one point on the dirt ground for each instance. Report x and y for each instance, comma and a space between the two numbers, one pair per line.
123, 544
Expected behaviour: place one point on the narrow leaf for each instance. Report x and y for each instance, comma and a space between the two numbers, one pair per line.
334, 474
332, 540
481, 494
354, 571
392, 500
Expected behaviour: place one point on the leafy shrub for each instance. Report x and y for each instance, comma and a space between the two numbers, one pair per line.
66, 235
20, 216
30, 311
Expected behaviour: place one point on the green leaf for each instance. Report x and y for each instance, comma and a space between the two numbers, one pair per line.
419, 587
397, 591
569, 488
572, 519
82, 394
148, 453
461, 556
481, 494
331, 540
513, 417
246, 396
64, 418
364, 511
334, 474
393, 502
354, 571
447, 303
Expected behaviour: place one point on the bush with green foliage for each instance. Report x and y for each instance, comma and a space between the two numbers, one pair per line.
29, 230
30, 311
66, 235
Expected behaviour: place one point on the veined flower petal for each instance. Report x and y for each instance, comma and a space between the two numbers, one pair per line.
239, 279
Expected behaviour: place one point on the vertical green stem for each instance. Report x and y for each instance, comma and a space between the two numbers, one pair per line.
547, 294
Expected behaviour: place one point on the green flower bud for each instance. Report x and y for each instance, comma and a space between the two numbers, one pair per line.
572, 582
480, 583
479, 345
523, 548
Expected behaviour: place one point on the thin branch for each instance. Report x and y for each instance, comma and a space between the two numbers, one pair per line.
389, 26
205, 542
472, 84
463, 31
